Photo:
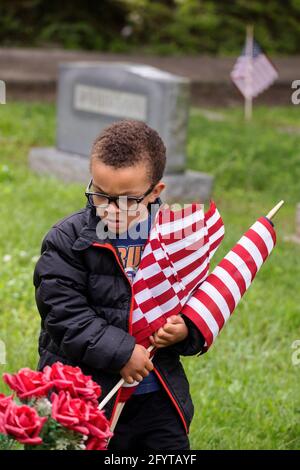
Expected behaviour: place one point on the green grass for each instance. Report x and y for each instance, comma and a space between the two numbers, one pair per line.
246, 389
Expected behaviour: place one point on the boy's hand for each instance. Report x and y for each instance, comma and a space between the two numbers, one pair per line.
138, 366
172, 332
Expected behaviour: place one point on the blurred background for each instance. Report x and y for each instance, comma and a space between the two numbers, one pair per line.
246, 389
173, 27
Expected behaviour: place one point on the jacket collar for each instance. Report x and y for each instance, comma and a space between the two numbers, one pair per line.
89, 234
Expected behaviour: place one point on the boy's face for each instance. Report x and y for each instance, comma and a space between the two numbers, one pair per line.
129, 181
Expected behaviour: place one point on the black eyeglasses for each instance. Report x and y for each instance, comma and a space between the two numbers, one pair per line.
124, 203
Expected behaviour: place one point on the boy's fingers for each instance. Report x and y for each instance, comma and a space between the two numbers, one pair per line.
152, 341
145, 372
163, 341
159, 332
138, 377
172, 318
149, 365
129, 379
175, 319
162, 334
162, 344
170, 328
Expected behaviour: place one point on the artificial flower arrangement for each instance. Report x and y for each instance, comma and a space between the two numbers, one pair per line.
56, 409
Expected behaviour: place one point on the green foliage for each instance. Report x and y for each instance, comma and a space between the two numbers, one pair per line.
155, 26
57, 437
7, 443
262, 155
78, 24
245, 389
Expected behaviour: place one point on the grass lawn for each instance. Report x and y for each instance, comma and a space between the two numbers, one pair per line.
246, 389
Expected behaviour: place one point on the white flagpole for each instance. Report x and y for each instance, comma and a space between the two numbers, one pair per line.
275, 209
249, 55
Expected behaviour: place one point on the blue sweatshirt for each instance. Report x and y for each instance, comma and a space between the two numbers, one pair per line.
131, 250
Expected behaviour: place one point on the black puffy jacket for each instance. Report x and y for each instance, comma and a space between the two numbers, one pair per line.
84, 299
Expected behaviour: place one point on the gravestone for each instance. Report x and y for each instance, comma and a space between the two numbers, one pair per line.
92, 95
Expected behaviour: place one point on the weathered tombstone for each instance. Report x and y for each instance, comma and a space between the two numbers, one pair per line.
93, 95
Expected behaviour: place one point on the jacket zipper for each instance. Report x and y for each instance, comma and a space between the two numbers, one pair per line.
109, 247
172, 399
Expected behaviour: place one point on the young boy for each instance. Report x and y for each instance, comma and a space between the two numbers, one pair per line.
83, 293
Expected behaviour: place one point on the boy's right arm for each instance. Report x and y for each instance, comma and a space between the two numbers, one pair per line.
138, 366
72, 324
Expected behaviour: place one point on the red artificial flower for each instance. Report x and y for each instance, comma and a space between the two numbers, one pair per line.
73, 413
98, 425
83, 417
99, 431
4, 402
22, 423
2, 428
93, 443
75, 406
28, 383
72, 380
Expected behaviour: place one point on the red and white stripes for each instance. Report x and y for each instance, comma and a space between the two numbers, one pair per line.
175, 261
213, 302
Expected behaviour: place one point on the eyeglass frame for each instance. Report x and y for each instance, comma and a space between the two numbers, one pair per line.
115, 199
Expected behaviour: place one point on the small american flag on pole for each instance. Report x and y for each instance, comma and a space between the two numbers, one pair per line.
253, 72
213, 302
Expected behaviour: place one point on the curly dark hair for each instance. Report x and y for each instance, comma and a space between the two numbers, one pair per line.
128, 143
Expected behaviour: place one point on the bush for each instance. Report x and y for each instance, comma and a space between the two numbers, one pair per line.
163, 27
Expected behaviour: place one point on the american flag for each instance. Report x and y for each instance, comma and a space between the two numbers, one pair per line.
207, 300
253, 73
212, 297
213, 302
175, 262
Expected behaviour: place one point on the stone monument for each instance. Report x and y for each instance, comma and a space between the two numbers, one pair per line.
92, 95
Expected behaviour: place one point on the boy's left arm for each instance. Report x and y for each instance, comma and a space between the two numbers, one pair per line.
171, 335
192, 344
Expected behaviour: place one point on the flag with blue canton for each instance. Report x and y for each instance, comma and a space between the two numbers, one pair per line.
253, 73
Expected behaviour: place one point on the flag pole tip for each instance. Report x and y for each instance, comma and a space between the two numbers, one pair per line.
275, 209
